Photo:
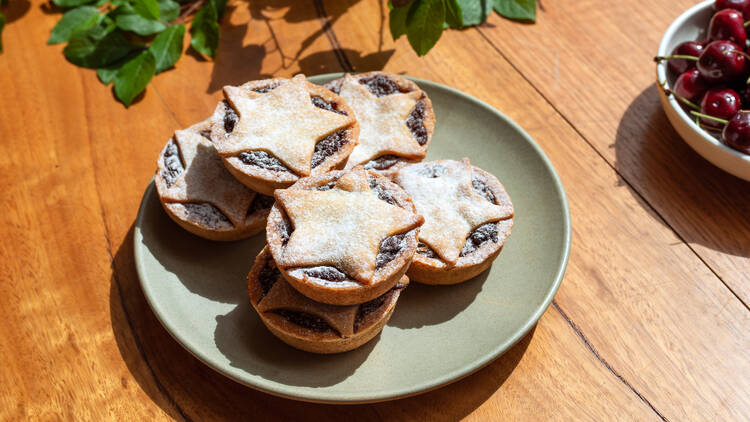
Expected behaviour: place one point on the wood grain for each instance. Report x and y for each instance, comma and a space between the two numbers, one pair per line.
642, 328
581, 54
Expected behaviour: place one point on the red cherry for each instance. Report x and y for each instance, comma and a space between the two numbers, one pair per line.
736, 133
721, 103
721, 62
688, 48
731, 4
690, 85
728, 24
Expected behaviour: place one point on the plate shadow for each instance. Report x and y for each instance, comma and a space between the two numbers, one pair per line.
422, 304
247, 343
193, 259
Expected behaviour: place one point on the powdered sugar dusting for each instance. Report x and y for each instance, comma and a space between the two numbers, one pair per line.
341, 228
204, 179
451, 207
283, 122
382, 122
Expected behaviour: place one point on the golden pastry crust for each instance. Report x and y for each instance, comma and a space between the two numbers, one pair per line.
428, 267
335, 127
344, 237
376, 97
199, 194
327, 328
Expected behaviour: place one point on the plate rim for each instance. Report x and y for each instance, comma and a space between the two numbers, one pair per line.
456, 375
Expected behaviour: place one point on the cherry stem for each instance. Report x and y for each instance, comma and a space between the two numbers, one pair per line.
746, 24
707, 117
741, 53
658, 59
682, 99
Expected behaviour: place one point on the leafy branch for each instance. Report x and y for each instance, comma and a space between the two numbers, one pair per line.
130, 41
423, 21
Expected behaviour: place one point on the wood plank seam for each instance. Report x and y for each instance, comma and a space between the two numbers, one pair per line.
603, 361
116, 279
619, 174
169, 110
331, 35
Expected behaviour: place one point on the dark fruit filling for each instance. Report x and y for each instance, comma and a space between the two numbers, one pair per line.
305, 320
483, 190
172, 163
325, 105
206, 134
262, 159
415, 123
479, 237
328, 146
390, 247
267, 278
432, 171
284, 227
264, 89
382, 162
424, 249
380, 191
327, 186
325, 273
260, 202
380, 85
207, 215
230, 117
367, 308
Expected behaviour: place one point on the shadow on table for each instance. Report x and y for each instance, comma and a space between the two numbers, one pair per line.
705, 205
14, 10
236, 63
186, 389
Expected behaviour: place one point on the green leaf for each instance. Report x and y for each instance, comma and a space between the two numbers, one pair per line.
424, 24
205, 30
83, 17
167, 47
220, 5
149, 9
453, 15
517, 9
169, 10
138, 24
133, 77
397, 21
2, 25
96, 47
107, 73
475, 11
71, 3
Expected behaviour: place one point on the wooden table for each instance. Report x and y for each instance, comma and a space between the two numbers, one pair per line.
651, 322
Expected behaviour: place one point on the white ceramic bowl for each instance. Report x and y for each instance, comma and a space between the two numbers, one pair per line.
691, 26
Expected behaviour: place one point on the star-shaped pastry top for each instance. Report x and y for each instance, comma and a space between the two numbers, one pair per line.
451, 207
283, 122
341, 227
283, 296
205, 178
382, 123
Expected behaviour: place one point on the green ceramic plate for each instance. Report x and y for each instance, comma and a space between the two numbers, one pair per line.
436, 335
